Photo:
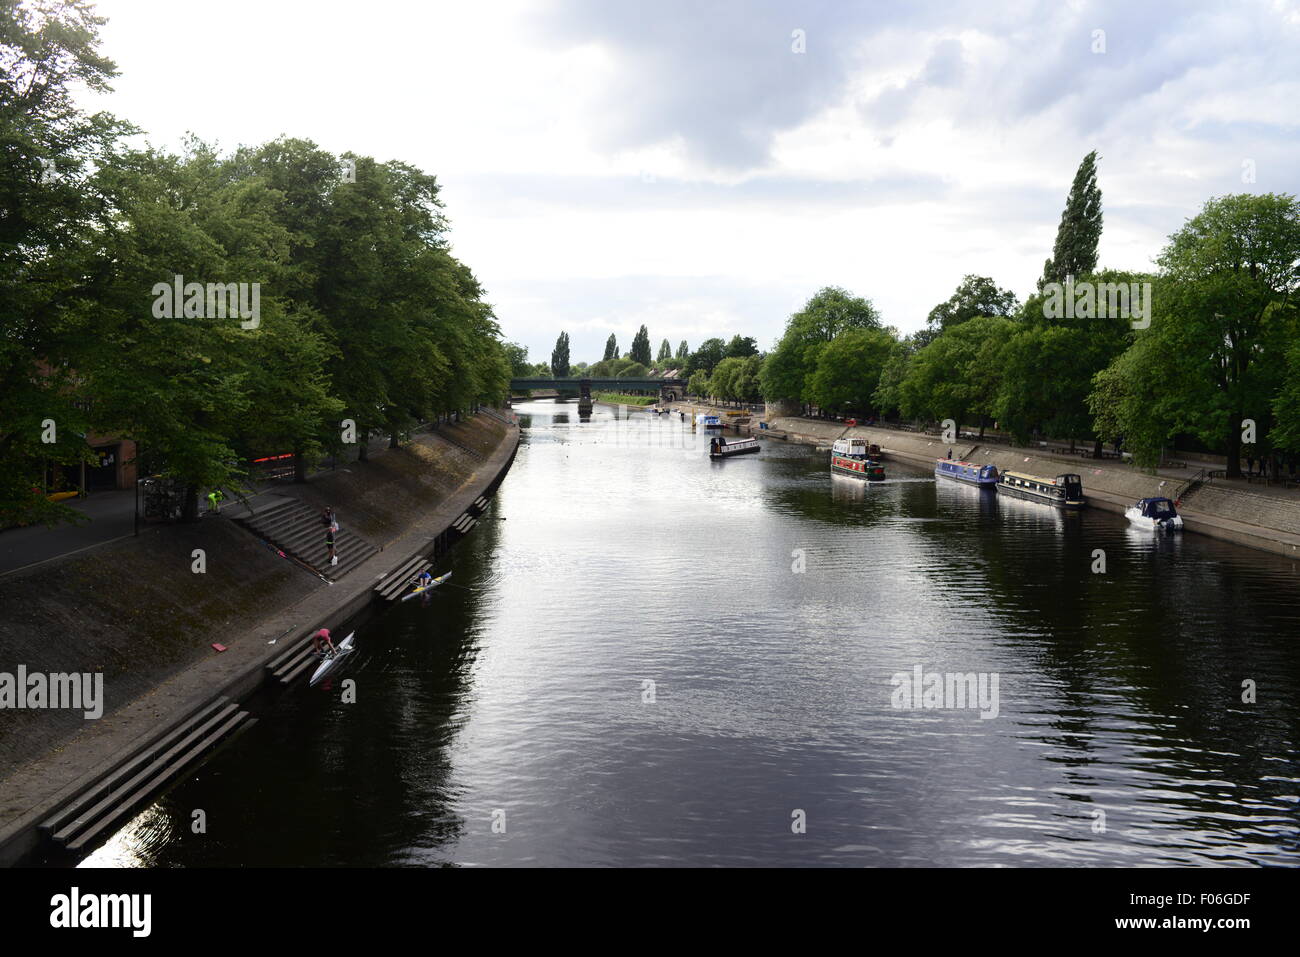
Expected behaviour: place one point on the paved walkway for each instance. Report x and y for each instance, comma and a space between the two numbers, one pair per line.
112, 517
111, 514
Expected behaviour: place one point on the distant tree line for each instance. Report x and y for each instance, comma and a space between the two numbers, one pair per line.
1206, 349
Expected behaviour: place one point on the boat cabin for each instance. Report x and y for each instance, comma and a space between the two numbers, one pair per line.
1064, 491
855, 448
1157, 509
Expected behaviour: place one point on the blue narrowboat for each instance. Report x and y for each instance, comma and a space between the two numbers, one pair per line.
985, 476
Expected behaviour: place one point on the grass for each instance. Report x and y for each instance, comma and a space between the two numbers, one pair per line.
616, 398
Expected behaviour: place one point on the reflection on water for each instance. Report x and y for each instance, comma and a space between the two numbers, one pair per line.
649, 658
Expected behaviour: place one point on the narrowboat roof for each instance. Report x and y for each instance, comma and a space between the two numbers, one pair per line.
1038, 478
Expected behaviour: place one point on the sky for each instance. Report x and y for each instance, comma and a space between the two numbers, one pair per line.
703, 168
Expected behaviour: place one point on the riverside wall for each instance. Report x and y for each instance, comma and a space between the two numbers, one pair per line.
134, 611
1267, 522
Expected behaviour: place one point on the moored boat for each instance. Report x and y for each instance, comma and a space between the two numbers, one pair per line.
853, 456
708, 421
1159, 514
1064, 491
984, 476
722, 448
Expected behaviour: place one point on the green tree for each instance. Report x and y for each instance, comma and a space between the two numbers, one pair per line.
611, 347
49, 207
958, 374
828, 313
975, 296
1049, 365
560, 356
706, 358
741, 348
888, 395
782, 376
683, 352
641, 347
517, 356
848, 369
665, 353
699, 384
1222, 325
1077, 236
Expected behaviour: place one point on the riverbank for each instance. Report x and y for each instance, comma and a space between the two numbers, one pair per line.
618, 398
136, 612
1258, 520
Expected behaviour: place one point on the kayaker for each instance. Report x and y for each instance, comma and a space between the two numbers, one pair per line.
423, 580
321, 638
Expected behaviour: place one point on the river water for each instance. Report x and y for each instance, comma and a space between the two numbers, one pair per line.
649, 658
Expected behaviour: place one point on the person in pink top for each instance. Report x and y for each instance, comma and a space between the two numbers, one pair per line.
320, 639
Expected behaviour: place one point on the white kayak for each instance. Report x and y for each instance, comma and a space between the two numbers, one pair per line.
342, 650
429, 587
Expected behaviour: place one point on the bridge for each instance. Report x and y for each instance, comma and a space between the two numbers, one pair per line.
669, 389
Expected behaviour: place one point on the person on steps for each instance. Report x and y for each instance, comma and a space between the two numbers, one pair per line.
321, 640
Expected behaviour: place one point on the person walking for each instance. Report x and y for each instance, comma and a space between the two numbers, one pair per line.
331, 524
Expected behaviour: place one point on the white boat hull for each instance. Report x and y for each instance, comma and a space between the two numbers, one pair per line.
1136, 517
327, 664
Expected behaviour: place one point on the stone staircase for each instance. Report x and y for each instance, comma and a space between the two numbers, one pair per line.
295, 529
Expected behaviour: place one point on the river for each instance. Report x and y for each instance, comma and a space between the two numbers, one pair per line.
650, 658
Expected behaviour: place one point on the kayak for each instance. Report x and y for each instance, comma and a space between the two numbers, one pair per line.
343, 649
429, 587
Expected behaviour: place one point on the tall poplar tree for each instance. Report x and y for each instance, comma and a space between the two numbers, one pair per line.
641, 347
1075, 252
560, 357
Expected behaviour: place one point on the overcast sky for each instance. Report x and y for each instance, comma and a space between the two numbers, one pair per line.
679, 164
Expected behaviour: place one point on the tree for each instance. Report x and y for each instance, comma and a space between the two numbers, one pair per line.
611, 347
706, 358
665, 353
848, 369
740, 348
699, 384
1050, 363
888, 395
641, 347
975, 296
683, 352
517, 356
828, 313
1128, 406
632, 370
1077, 236
1222, 325
782, 377
560, 356
958, 374
49, 204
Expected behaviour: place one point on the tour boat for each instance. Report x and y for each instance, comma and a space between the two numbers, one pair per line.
1155, 513
985, 476
721, 448
1064, 491
854, 456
